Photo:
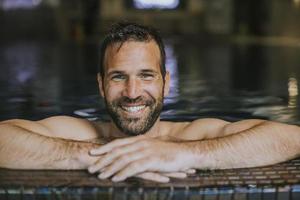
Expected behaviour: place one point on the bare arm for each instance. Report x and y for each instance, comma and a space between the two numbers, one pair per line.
263, 144
56, 143
45, 144
210, 128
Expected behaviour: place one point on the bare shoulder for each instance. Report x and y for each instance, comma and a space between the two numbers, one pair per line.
59, 126
170, 128
71, 127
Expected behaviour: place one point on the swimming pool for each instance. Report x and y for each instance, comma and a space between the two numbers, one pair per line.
223, 79
220, 79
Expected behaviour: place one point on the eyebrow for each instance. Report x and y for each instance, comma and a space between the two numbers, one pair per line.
149, 71
115, 72
123, 72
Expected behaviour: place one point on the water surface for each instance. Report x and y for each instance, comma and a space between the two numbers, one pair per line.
226, 80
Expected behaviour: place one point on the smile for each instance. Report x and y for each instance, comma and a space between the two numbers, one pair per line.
133, 109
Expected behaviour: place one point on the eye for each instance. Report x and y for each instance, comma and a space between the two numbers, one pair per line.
118, 77
147, 77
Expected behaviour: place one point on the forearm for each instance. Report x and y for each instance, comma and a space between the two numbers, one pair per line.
22, 149
265, 144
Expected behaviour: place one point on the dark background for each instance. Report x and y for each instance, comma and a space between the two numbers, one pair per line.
232, 59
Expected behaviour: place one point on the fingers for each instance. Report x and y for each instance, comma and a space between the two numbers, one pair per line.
152, 176
133, 169
119, 164
161, 177
116, 143
125, 154
156, 175
175, 174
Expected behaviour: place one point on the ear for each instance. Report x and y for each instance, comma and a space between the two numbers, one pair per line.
100, 84
167, 84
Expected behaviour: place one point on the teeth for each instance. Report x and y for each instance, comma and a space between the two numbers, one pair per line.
133, 108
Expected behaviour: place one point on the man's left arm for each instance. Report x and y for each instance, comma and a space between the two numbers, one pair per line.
263, 143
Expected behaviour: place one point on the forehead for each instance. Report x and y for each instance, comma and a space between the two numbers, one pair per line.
132, 55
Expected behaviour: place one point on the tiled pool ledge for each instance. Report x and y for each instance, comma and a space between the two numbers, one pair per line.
281, 181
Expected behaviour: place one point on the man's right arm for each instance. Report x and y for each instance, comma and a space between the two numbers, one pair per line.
46, 144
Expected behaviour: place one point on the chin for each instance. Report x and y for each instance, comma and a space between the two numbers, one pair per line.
134, 128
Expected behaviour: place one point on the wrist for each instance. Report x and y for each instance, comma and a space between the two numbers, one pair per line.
82, 158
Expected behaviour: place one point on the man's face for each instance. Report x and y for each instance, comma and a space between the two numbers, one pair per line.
133, 86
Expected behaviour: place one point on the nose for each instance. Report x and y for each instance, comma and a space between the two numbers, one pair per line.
133, 88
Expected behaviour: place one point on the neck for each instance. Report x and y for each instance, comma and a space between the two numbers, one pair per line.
116, 133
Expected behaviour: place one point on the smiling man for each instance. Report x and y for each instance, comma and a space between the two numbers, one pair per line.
133, 85
133, 82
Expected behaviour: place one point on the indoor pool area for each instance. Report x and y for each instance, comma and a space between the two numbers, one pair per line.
223, 64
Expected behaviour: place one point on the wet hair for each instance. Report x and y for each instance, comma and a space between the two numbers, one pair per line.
124, 31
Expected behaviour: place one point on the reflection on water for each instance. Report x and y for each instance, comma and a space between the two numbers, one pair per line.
153, 4
293, 92
172, 67
19, 4
21, 62
221, 80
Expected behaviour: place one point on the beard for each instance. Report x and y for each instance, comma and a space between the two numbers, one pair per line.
135, 125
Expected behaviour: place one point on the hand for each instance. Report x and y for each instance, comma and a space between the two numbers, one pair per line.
123, 158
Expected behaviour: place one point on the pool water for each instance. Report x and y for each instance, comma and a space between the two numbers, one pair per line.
224, 79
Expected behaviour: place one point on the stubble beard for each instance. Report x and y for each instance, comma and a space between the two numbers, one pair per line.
135, 126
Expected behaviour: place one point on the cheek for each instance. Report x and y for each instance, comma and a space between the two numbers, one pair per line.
112, 91
154, 90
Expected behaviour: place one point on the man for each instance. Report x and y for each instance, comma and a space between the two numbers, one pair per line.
133, 82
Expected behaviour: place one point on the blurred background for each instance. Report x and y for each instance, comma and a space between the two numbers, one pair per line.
231, 59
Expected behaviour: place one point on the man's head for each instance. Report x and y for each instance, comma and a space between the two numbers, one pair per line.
124, 32
132, 77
